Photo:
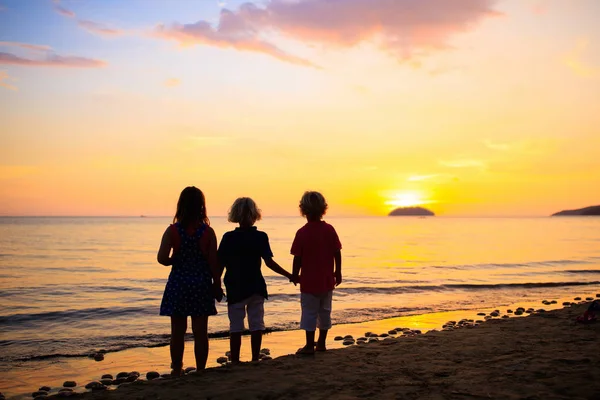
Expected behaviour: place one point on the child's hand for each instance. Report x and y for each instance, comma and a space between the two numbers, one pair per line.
295, 279
338, 278
218, 293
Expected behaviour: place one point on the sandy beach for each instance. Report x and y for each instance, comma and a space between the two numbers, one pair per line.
546, 355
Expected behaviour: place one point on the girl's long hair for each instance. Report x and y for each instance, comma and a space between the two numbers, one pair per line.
191, 207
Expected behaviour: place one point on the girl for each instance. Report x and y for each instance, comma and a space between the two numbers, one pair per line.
190, 290
240, 252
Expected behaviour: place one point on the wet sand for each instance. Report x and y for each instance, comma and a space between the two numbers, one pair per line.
544, 356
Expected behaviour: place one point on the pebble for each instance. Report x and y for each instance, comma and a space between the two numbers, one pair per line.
107, 376
338, 338
566, 303
384, 335
118, 381
589, 298
417, 331
368, 334
95, 385
222, 360
362, 338
106, 382
132, 378
39, 394
266, 358
98, 356
122, 375
505, 316
509, 311
487, 317
392, 332
494, 314
553, 302
597, 294
373, 339
102, 351
189, 369
482, 314
45, 389
152, 375
577, 298
479, 321
228, 353
518, 312
70, 384
347, 337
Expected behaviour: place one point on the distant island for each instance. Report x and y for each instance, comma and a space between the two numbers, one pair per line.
587, 211
411, 211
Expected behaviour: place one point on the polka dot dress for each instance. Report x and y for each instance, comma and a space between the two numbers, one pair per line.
189, 288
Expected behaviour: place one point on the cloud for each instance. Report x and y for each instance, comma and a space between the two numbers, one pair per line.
496, 146
64, 11
172, 82
51, 60
463, 163
35, 47
98, 28
400, 27
419, 178
574, 61
4, 77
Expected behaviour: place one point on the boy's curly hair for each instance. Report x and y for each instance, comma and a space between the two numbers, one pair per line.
313, 205
244, 209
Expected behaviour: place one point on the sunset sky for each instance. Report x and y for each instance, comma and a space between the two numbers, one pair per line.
469, 107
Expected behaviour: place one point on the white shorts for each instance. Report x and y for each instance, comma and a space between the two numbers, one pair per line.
256, 314
316, 311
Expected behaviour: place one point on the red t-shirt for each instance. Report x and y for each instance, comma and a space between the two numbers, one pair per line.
316, 243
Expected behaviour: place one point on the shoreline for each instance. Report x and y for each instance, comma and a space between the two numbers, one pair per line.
281, 344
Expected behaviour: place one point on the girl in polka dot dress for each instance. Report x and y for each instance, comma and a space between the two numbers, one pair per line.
189, 245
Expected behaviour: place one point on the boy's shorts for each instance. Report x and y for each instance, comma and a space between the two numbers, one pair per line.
316, 311
256, 314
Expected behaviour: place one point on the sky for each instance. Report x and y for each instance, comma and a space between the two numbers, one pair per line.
466, 107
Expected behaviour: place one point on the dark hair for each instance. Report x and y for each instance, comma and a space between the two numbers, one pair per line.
313, 205
191, 207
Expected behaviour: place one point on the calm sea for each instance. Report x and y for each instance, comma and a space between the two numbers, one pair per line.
69, 286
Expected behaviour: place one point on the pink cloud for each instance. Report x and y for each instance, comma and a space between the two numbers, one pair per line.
64, 11
399, 27
35, 47
98, 29
3, 78
51, 60
172, 82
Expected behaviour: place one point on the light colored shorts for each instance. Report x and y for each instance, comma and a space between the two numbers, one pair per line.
316, 311
256, 314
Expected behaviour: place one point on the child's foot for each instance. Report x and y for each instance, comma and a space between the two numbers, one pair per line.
320, 347
306, 351
176, 372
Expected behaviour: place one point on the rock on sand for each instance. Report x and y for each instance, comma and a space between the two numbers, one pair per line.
70, 384
152, 375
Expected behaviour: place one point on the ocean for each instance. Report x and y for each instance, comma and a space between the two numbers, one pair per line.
72, 286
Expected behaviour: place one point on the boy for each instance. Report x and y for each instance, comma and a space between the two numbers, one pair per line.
316, 250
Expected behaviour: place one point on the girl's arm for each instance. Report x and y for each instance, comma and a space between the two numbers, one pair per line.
211, 256
277, 268
164, 251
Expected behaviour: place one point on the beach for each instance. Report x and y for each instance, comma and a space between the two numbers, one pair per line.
546, 355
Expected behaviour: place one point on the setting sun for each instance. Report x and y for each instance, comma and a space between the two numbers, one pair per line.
407, 199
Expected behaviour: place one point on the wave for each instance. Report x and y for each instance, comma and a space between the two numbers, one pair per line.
582, 271
549, 263
75, 315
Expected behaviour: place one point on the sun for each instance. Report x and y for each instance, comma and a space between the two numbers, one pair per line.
406, 199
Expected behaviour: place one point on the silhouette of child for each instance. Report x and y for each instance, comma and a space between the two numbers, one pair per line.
194, 280
240, 253
316, 249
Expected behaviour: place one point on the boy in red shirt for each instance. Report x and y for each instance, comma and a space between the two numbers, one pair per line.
316, 249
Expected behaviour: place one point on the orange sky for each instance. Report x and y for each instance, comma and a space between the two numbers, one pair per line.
481, 107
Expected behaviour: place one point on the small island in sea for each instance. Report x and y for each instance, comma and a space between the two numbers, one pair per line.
587, 211
411, 211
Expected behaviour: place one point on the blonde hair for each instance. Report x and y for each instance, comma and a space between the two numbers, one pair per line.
313, 205
244, 209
